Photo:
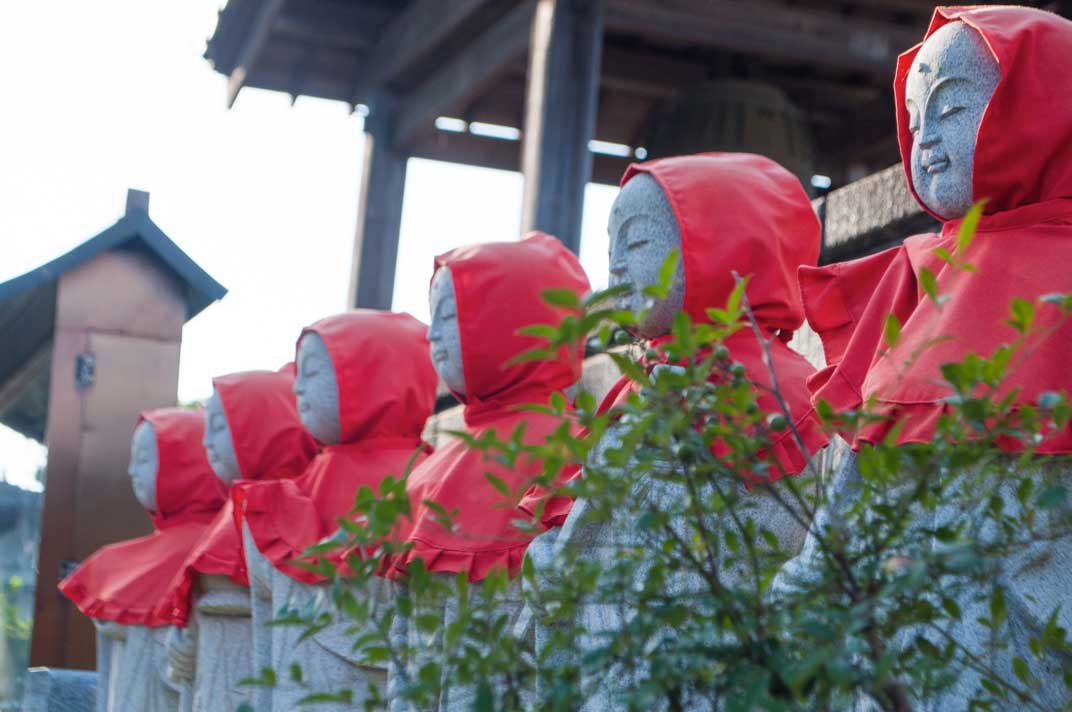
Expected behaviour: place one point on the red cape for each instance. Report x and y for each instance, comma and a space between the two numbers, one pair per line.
1022, 248
745, 213
126, 582
498, 289
270, 443
386, 392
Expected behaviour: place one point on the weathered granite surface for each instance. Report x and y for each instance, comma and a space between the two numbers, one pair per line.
870, 215
59, 690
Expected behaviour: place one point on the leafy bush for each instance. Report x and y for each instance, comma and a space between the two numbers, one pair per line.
663, 589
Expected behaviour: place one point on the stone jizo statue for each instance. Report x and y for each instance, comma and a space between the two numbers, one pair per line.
738, 192
219, 443
949, 87
364, 387
121, 586
982, 114
479, 298
252, 434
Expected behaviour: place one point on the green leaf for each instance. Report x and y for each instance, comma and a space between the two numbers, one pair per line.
498, 484
562, 298
1019, 667
891, 332
1051, 497
629, 367
667, 272
1023, 315
930, 285
542, 331
733, 304
998, 608
968, 226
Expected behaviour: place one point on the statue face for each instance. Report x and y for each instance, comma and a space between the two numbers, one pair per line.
317, 390
144, 464
219, 446
643, 230
444, 337
947, 92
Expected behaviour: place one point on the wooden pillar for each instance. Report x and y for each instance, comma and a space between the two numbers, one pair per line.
379, 216
560, 115
115, 352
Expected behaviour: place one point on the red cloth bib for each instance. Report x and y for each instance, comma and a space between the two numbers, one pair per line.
498, 289
386, 389
270, 443
126, 582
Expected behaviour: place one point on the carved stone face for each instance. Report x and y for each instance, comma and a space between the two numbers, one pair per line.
949, 86
317, 390
219, 445
643, 230
144, 464
444, 336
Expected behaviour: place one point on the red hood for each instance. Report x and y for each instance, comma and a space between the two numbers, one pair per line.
126, 582
386, 391
383, 371
269, 439
1031, 48
186, 487
498, 287
758, 221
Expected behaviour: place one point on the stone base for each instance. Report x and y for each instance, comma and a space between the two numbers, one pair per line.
59, 690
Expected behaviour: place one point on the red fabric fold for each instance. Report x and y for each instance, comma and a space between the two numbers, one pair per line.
741, 213
498, 289
270, 443
386, 387
126, 582
1022, 247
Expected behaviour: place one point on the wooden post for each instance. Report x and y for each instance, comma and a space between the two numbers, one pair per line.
560, 115
379, 216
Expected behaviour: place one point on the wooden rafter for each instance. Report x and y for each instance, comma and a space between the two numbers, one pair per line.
412, 35
768, 29
252, 46
465, 76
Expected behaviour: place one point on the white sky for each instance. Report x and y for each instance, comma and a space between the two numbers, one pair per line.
103, 96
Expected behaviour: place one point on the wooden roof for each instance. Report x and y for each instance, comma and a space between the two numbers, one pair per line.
467, 59
28, 313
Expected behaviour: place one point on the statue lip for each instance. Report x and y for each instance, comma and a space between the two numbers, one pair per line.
439, 355
937, 165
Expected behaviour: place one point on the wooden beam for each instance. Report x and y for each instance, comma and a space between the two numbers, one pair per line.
251, 47
379, 217
413, 35
768, 29
485, 152
560, 115
464, 77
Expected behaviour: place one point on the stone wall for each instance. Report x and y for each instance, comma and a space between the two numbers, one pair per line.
870, 215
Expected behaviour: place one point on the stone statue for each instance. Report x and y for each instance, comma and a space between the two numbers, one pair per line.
144, 464
219, 443
127, 581
444, 337
982, 115
252, 434
949, 87
716, 200
480, 296
364, 387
